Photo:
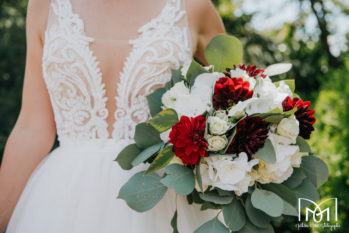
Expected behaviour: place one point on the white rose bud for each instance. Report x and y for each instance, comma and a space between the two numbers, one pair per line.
217, 143
289, 128
217, 126
221, 114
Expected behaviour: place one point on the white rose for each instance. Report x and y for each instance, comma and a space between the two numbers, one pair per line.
281, 169
296, 159
165, 136
284, 88
269, 96
170, 97
217, 126
228, 173
217, 143
221, 114
190, 106
289, 128
204, 86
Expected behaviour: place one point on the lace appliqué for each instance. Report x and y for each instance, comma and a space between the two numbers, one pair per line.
162, 45
74, 79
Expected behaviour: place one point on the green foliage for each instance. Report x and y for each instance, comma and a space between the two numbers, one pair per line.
267, 152
180, 178
234, 215
127, 155
213, 226
142, 192
268, 202
164, 120
164, 157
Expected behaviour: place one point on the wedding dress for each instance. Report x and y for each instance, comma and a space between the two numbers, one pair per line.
75, 188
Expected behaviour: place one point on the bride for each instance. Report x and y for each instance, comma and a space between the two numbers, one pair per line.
90, 65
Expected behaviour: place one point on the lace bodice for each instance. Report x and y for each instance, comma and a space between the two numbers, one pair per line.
74, 79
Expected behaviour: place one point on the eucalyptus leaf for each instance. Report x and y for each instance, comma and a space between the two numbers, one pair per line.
142, 192
164, 120
180, 178
267, 152
146, 154
126, 156
223, 52
282, 191
154, 101
164, 157
315, 169
295, 179
303, 145
250, 228
194, 71
212, 226
213, 196
256, 216
268, 202
289, 209
308, 191
234, 215
146, 136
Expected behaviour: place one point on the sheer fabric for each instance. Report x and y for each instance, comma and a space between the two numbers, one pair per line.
74, 189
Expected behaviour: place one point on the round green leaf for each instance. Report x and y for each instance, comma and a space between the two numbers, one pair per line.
146, 136
234, 215
126, 156
164, 157
250, 228
267, 152
307, 190
282, 191
303, 145
180, 178
223, 52
315, 169
268, 202
289, 209
164, 120
146, 154
295, 179
213, 196
212, 226
154, 101
256, 216
142, 192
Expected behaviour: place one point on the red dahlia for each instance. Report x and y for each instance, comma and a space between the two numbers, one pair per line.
187, 137
251, 134
304, 115
252, 71
229, 91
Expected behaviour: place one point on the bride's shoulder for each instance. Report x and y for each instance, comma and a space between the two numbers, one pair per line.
206, 22
37, 16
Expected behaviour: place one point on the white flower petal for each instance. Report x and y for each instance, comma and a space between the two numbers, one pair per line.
278, 68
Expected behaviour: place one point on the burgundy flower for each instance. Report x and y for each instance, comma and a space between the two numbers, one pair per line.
252, 71
250, 136
304, 115
187, 137
229, 91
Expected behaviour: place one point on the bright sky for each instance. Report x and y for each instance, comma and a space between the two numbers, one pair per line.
271, 14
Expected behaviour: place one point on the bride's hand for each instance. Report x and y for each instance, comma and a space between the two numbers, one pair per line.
34, 133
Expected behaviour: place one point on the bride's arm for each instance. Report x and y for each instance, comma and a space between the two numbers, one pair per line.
34, 133
206, 22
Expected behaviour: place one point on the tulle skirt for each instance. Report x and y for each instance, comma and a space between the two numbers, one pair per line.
74, 190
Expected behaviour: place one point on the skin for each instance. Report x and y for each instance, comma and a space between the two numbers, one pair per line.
34, 133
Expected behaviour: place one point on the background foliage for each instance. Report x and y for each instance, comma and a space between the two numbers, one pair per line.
322, 76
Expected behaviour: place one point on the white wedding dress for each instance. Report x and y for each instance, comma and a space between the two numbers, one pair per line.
74, 190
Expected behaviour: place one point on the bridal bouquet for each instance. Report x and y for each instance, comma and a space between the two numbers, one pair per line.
230, 137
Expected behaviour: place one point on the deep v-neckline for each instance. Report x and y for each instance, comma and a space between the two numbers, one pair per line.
125, 63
